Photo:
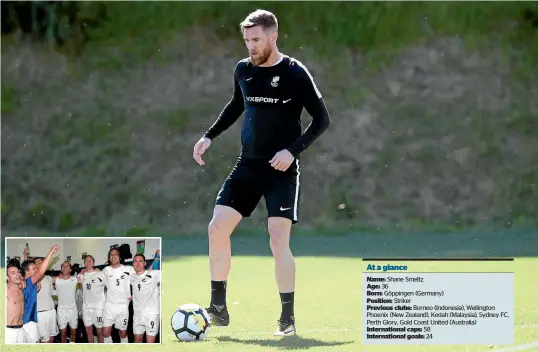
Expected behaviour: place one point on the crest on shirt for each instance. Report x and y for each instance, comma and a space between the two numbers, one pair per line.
275, 80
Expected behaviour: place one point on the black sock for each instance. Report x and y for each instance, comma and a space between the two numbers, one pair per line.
287, 305
218, 293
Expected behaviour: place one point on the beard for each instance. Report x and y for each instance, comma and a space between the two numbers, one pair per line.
262, 57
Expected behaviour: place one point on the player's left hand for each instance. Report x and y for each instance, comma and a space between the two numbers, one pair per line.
282, 160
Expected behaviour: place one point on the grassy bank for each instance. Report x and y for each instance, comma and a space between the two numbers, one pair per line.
439, 136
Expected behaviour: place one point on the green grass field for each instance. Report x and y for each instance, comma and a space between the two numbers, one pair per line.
328, 292
328, 303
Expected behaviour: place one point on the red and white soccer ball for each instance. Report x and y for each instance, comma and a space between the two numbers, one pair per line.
191, 322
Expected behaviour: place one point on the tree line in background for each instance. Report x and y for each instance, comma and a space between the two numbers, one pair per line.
60, 23
57, 23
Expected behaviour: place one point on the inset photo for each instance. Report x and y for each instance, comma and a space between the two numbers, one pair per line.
83, 290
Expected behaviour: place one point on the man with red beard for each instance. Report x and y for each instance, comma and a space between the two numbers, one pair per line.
271, 89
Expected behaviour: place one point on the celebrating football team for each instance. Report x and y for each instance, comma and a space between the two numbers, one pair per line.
106, 295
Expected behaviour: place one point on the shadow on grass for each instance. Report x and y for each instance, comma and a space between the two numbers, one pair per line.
290, 342
504, 243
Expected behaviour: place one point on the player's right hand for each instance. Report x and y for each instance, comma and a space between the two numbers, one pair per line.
55, 248
199, 148
22, 285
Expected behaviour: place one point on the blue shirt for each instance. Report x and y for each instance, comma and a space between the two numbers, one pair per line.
156, 262
30, 302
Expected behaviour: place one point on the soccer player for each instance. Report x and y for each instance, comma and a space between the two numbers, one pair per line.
118, 296
32, 276
93, 283
47, 323
271, 89
146, 305
15, 304
66, 287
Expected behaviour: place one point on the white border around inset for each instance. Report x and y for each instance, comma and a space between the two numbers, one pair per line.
82, 238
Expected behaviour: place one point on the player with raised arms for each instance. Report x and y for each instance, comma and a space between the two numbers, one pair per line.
47, 321
118, 296
146, 300
271, 89
33, 275
66, 288
93, 283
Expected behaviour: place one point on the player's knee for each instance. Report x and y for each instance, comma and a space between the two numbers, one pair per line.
216, 229
213, 229
278, 230
279, 245
279, 237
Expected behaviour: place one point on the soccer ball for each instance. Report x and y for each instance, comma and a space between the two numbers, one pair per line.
190, 322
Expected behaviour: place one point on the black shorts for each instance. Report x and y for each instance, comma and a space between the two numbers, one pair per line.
251, 179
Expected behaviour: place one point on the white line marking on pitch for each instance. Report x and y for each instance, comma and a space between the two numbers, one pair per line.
517, 348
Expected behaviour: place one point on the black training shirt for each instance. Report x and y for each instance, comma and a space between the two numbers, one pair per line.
272, 99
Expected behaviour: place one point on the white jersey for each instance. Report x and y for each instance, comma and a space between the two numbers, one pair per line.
44, 296
118, 288
146, 292
93, 286
66, 290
